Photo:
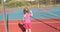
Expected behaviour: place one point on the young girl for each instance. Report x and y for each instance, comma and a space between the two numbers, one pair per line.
27, 21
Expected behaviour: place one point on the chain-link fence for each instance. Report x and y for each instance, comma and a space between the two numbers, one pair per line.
38, 13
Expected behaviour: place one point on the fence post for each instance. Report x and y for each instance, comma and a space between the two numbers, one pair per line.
4, 15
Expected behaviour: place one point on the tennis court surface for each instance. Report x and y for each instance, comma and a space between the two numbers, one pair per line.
43, 20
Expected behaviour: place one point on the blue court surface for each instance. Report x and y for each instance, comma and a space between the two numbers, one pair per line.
39, 13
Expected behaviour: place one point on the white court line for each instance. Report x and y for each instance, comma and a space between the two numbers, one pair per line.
53, 14
32, 23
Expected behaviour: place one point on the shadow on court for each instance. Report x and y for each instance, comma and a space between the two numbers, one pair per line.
21, 27
46, 24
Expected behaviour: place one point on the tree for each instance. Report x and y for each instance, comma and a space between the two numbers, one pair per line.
0, 1
8, 1
57, 1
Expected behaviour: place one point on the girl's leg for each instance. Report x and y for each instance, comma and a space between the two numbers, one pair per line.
29, 27
29, 30
26, 30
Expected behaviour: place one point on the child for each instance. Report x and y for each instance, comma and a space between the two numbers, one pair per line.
27, 21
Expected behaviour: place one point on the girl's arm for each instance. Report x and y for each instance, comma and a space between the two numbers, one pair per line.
31, 13
23, 19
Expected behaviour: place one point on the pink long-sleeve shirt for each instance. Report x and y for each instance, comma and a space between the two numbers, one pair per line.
27, 17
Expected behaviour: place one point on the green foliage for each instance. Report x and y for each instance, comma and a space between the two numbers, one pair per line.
14, 3
8, 1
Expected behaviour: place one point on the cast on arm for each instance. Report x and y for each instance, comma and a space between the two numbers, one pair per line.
31, 13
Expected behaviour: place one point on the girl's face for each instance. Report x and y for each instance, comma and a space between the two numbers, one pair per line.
26, 10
